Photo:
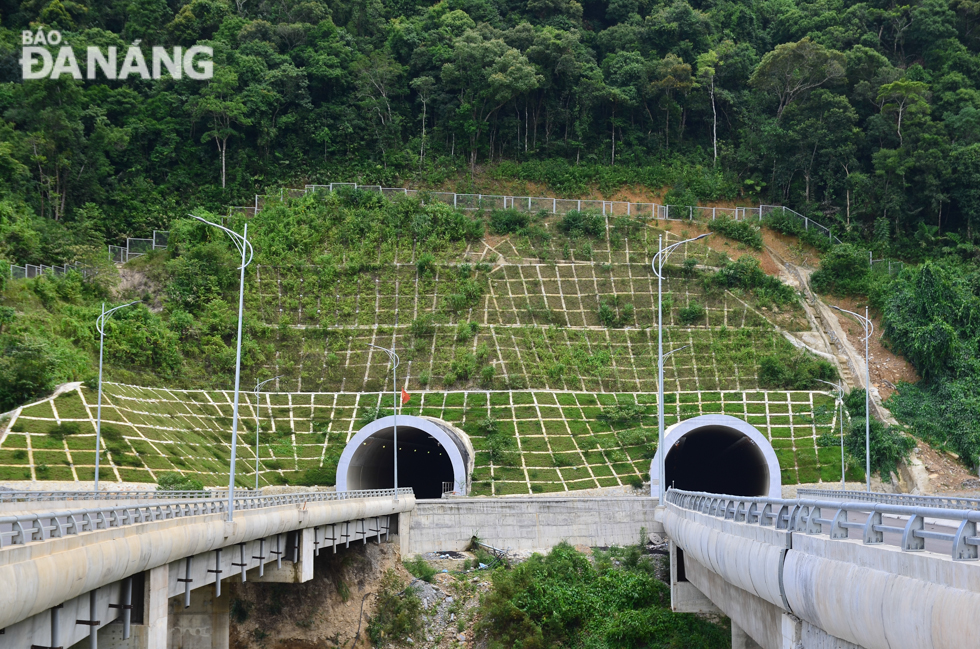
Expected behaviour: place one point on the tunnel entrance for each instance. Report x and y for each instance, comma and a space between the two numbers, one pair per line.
719, 454
431, 455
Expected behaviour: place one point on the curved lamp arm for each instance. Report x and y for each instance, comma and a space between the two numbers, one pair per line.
663, 254
100, 321
239, 241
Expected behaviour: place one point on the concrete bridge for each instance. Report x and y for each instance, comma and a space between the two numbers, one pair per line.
156, 563
829, 573
832, 570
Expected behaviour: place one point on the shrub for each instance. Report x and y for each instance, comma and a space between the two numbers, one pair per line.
843, 271
623, 413
420, 569
575, 224
889, 446
423, 326
508, 221
177, 482
426, 264
320, 476
789, 223
64, 429
746, 273
798, 371
741, 231
613, 314
691, 314
398, 612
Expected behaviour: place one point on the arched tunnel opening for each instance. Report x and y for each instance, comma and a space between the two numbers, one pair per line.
720, 454
423, 464
432, 455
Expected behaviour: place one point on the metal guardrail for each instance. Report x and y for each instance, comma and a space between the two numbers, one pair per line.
907, 500
806, 516
44, 496
40, 526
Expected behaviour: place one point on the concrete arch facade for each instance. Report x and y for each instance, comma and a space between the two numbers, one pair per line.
731, 446
366, 455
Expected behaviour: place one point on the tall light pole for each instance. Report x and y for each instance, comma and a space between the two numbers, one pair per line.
657, 264
393, 357
244, 247
258, 421
839, 401
100, 325
869, 329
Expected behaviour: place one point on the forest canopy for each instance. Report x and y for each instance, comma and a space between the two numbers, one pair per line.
865, 115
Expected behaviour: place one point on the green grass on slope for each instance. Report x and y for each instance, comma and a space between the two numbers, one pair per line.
536, 441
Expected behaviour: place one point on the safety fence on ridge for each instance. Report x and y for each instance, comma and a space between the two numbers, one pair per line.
553, 205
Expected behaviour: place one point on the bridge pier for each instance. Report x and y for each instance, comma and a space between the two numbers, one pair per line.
204, 624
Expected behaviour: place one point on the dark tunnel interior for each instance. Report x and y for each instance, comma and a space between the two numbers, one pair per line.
423, 463
717, 460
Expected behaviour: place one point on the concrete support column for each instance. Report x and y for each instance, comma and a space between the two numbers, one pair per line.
742, 640
155, 607
204, 625
404, 523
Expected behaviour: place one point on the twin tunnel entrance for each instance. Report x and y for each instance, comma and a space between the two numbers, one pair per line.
713, 453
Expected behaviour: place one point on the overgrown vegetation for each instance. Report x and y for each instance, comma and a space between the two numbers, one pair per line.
563, 599
740, 230
845, 270
930, 315
796, 371
398, 612
177, 482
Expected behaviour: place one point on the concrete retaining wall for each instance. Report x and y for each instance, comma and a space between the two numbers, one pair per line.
533, 523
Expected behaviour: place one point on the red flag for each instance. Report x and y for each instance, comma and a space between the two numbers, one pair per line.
405, 396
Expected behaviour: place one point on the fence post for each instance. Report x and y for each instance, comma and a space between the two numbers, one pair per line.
713, 213
580, 206
528, 203
256, 203
806, 223
454, 200
554, 206
690, 212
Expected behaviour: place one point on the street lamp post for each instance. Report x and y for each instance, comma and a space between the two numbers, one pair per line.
869, 329
393, 357
258, 421
839, 401
657, 264
244, 247
100, 325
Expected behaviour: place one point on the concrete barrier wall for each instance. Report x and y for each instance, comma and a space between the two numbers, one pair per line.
533, 523
879, 597
747, 556
835, 593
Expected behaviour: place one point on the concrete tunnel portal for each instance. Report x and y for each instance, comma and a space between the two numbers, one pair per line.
718, 454
431, 452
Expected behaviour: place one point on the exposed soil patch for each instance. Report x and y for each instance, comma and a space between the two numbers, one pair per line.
332, 610
947, 475
887, 368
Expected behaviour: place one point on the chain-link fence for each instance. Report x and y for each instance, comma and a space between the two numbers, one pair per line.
554, 205
887, 266
30, 271
136, 247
